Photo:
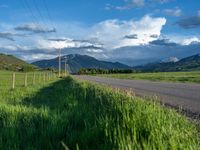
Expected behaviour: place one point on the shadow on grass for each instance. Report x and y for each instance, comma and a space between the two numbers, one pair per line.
73, 117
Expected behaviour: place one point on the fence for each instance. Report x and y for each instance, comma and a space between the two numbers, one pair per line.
16, 79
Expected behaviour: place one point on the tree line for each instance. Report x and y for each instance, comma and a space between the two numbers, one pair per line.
104, 71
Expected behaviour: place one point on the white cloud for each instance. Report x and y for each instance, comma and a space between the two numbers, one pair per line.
129, 4
97, 40
112, 32
35, 57
189, 41
177, 12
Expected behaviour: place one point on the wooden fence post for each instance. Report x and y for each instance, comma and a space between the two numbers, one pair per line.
44, 77
25, 80
34, 78
13, 80
40, 77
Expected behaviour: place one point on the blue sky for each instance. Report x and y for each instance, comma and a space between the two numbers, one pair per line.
130, 31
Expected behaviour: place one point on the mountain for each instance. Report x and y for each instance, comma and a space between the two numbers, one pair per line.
191, 63
9, 62
75, 62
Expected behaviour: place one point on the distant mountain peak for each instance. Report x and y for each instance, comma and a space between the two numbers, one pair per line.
191, 63
75, 62
170, 59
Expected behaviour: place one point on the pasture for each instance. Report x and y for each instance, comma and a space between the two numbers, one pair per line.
190, 77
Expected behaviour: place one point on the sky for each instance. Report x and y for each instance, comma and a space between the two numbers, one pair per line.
133, 32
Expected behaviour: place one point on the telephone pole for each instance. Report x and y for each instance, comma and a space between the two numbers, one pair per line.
59, 63
65, 66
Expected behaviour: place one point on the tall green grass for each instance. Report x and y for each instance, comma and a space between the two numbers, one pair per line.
192, 77
87, 116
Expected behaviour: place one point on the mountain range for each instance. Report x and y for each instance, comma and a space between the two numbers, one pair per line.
75, 62
191, 63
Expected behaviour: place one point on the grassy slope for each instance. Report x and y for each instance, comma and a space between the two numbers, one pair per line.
89, 117
9, 62
161, 76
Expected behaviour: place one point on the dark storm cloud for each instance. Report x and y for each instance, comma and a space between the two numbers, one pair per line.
132, 36
163, 42
137, 55
190, 22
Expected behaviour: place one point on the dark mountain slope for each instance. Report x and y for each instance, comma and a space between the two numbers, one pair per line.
75, 62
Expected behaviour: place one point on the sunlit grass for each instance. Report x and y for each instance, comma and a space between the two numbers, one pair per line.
88, 116
160, 76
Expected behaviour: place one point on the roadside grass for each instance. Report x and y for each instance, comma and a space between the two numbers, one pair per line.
88, 116
190, 77
6, 78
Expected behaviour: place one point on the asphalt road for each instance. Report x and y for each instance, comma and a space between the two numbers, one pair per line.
186, 96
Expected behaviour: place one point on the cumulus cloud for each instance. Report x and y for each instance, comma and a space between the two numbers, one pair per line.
112, 32
190, 22
176, 12
61, 43
98, 40
35, 28
130, 4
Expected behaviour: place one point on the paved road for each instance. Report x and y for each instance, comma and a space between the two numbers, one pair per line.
182, 95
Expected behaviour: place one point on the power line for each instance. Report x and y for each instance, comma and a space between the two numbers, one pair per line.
49, 16
40, 13
29, 9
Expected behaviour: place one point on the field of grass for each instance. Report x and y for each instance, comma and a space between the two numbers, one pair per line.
81, 115
6, 78
193, 77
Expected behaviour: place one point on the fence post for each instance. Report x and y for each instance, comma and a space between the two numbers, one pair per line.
25, 80
40, 77
34, 78
13, 81
44, 77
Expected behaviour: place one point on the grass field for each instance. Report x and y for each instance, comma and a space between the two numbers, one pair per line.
6, 78
82, 115
193, 77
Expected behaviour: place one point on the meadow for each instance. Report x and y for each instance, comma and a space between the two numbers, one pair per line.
62, 113
190, 77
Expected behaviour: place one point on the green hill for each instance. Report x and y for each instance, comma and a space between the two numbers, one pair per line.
191, 63
11, 63
75, 62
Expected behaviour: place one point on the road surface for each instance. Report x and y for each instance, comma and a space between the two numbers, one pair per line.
186, 96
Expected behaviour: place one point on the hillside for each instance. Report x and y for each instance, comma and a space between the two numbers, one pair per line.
191, 63
75, 62
9, 62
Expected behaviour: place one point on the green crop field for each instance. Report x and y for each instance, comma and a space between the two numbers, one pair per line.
65, 113
193, 77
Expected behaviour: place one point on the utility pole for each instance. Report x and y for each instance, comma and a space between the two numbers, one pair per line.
59, 63
65, 66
